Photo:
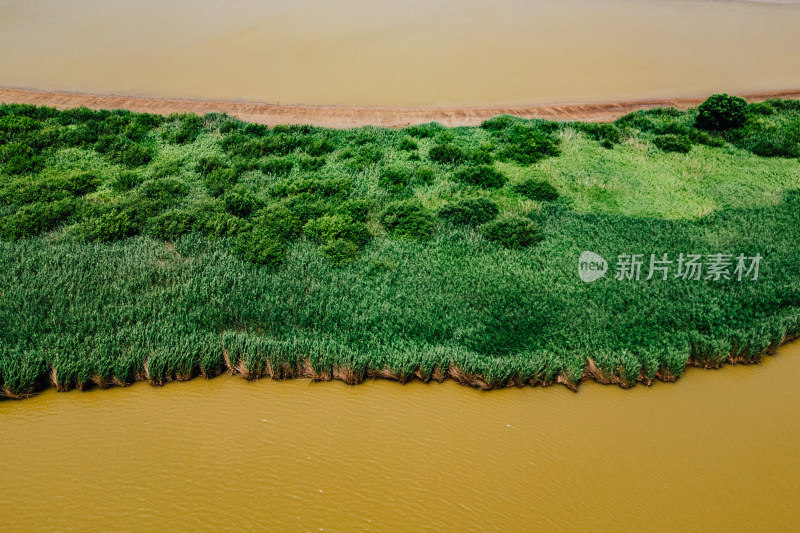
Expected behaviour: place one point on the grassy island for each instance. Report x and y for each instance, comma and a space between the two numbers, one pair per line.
137, 246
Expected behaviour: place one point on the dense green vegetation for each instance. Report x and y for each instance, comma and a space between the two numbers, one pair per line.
139, 246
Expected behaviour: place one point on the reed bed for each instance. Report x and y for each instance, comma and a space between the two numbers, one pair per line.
138, 247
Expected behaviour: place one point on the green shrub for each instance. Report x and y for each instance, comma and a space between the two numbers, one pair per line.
425, 174
470, 211
14, 125
241, 201
535, 189
673, 143
33, 219
48, 187
127, 180
123, 151
340, 252
512, 232
773, 142
306, 206
606, 134
357, 209
409, 219
170, 225
183, 129
164, 191
447, 153
19, 159
337, 227
527, 146
261, 248
277, 220
278, 166
422, 131
721, 112
207, 165
395, 178
324, 187
224, 225
761, 108
498, 123
407, 144
480, 176
317, 147
220, 180
116, 224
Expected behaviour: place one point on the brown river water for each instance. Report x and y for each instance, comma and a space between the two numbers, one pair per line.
401, 52
715, 451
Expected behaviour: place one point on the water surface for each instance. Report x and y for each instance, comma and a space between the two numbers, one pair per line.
400, 52
716, 451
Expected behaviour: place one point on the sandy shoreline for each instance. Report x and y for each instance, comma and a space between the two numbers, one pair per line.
347, 117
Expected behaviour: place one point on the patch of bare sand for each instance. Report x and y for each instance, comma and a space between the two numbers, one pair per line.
348, 117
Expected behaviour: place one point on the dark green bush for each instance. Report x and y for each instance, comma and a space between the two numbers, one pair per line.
673, 143
407, 144
123, 151
773, 142
447, 153
14, 125
324, 187
499, 122
164, 191
182, 128
207, 165
721, 112
261, 248
470, 211
277, 166
761, 108
337, 227
606, 134
113, 225
357, 209
395, 178
241, 201
340, 252
33, 219
171, 224
306, 206
422, 131
224, 225
19, 159
480, 176
512, 232
317, 147
220, 180
409, 219
527, 146
48, 188
277, 220
127, 180
425, 174
366, 156
534, 189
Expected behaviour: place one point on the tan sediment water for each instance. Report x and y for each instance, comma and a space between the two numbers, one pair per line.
405, 53
715, 451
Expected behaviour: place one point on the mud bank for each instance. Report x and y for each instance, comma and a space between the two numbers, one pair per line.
305, 370
350, 117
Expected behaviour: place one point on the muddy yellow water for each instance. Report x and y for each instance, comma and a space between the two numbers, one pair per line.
716, 451
400, 52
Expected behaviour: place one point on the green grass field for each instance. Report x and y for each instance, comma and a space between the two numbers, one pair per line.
136, 246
